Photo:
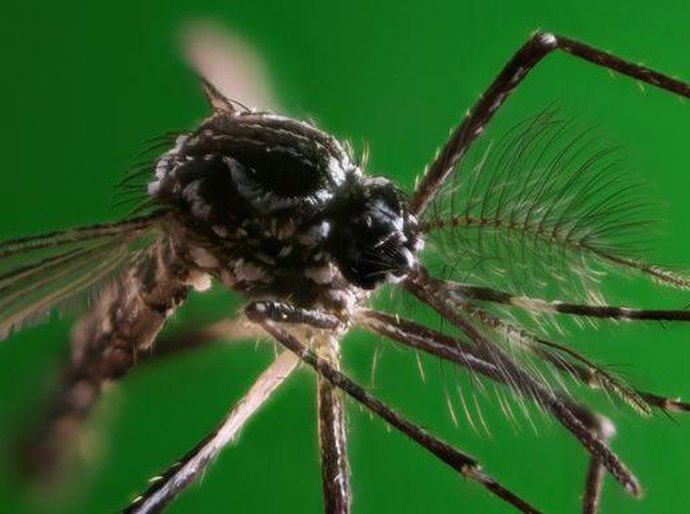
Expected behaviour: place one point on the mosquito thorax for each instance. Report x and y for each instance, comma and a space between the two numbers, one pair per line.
273, 203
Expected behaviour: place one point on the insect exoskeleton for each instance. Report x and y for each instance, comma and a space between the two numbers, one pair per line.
272, 200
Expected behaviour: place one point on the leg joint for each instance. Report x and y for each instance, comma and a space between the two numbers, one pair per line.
285, 313
545, 39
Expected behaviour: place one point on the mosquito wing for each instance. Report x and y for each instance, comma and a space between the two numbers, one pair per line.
40, 273
233, 73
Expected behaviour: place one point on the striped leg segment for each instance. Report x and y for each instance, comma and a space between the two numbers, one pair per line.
596, 473
593, 486
464, 292
459, 461
427, 290
578, 366
167, 486
523, 61
335, 467
445, 347
231, 330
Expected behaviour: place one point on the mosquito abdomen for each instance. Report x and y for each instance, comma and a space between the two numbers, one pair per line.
123, 322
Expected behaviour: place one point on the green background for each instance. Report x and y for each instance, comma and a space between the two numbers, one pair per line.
85, 83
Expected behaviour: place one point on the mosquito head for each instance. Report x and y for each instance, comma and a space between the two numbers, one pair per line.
373, 237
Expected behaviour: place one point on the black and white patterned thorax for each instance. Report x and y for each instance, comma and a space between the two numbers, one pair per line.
275, 207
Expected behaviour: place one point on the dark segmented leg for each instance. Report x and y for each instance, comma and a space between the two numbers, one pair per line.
186, 340
664, 403
579, 367
125, 321
452, 349
335, 467
486, 294
593, 486
522, 62
459, 461
564, 359
449, 348
435, 343
596, 473
167, 486
430, 292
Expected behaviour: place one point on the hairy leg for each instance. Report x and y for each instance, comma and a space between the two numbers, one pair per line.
335, 467
166, 487
486, 294
428, 291
262, 314
42, 452
523, 61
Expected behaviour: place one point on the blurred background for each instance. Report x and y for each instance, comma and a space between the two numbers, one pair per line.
86, 83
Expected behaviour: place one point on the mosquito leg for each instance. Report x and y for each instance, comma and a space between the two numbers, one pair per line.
427, 290
335, 468
463, 292
225, 329
564, 359
449, 348
593, 486
664, 403
166, 487
435, 343
596, 472
578, 366
522, 62
259, 312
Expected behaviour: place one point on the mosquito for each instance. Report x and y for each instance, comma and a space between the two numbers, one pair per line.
282, 213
